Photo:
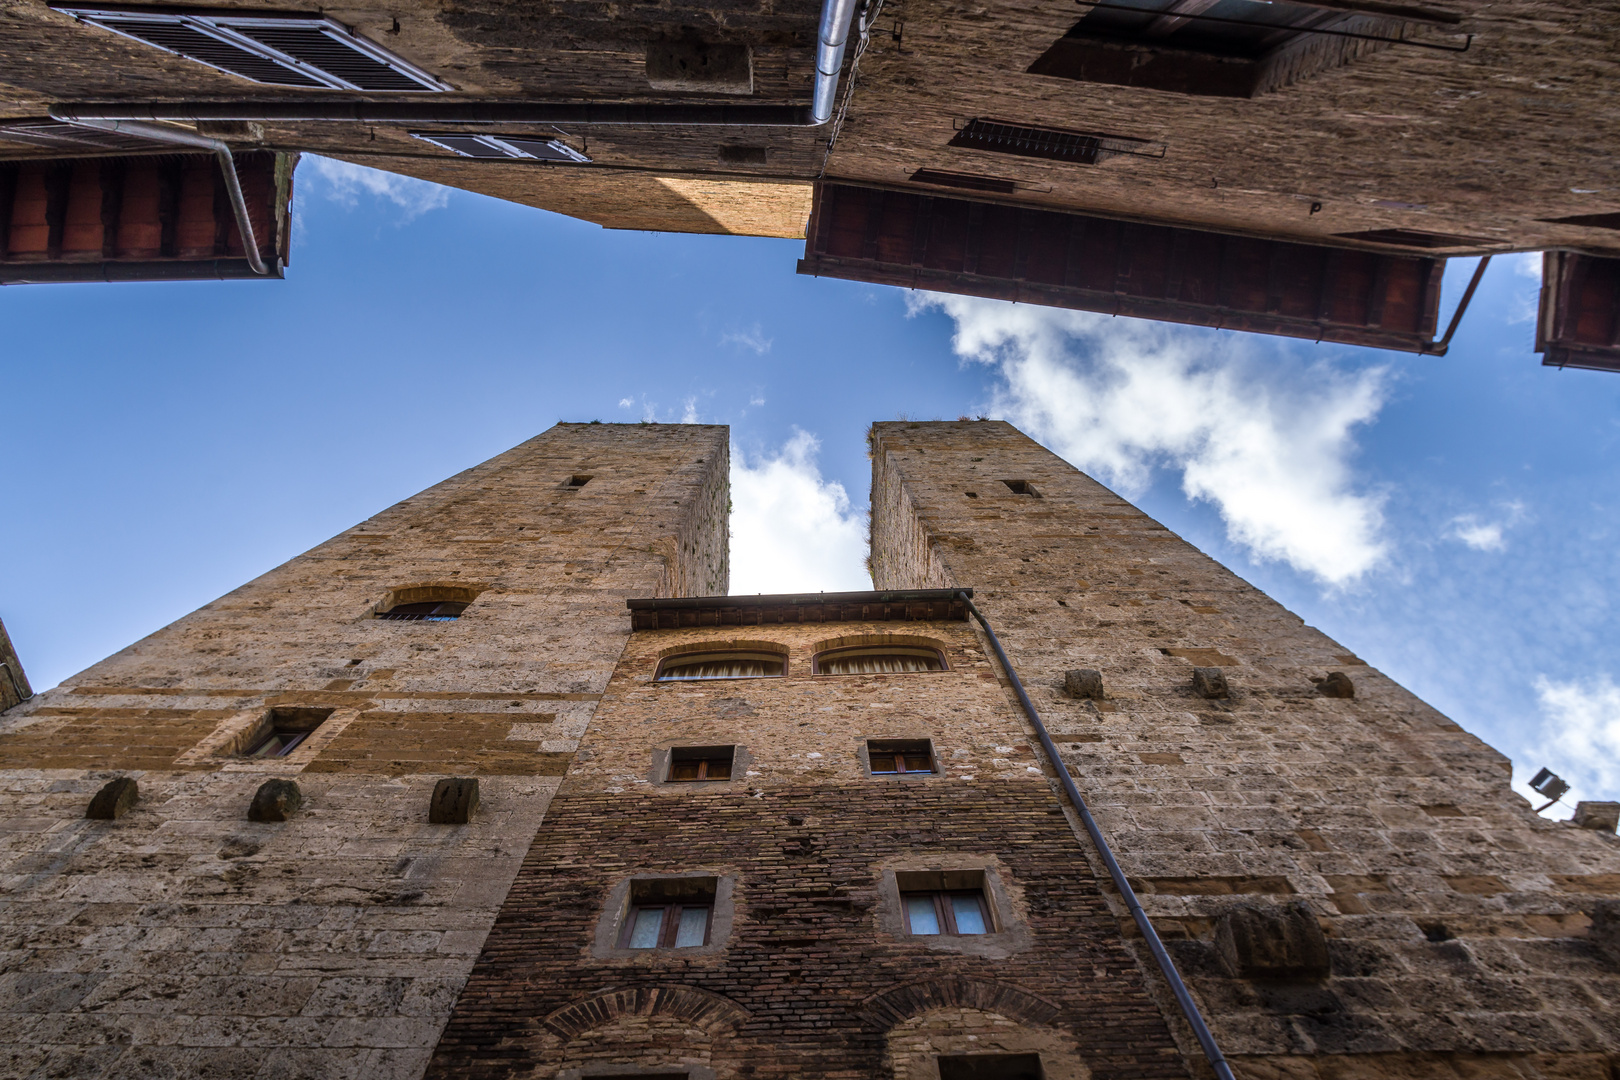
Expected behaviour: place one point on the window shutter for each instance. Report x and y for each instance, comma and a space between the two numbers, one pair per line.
502, 147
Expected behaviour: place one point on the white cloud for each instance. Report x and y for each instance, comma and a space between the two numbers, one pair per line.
1485, 535
627, 403
1526, 296
756, 400
690, 414
346, 182
792, 531
1581, 724
1266, 439
753, 338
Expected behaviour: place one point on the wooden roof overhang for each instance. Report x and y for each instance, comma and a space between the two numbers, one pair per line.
1579, 323
905, 605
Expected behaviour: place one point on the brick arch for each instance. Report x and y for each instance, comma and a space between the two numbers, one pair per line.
707, 1012
900, 1003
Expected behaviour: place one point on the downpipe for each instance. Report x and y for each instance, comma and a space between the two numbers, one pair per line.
1167, 966
222, 152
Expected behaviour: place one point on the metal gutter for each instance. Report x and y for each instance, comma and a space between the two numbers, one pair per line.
1189, 1007
162, 133
1439, 348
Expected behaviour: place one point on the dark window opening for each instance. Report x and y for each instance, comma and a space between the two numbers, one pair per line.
878, 660
690, 764
1053, 144
275, 50
1022, 487
894, 757
1590, 221
578, 481
1228, 48
991, 1067
941, 178
669, 913
742, 155
283, 730
427, 611
722, 665
1418, 238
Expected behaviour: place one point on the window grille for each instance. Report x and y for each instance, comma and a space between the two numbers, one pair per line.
1054, 144
429, 611
727, 665
955, 913
504, 148
691, 764
276, 50
878, 660
898, 757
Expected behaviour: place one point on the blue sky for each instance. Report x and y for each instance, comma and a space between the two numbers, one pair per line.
1452, 520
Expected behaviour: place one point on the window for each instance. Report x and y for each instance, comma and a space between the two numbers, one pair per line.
1224, 48
1053, 144
941, 178
282, 730
691, 764
879, 660
689, 667
1417, 238
1021, 487
895, 757
955, 912
990, 1067
668, 913
300, 51
426, 611
577, 481
503, 148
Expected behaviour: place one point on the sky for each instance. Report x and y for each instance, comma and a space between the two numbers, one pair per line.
1453, 521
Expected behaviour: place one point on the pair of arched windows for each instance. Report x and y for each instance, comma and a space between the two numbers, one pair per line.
760, 664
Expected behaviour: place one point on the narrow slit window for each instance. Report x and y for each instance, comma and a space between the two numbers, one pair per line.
691, 667
695, 764
283, 731
899, 757
879, 660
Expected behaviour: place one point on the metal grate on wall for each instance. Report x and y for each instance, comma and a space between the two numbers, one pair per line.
56, 135
1054, 144
276, 50
502, 147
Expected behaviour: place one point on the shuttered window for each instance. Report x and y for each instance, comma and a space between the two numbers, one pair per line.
300, 52
506, 148
731, 665
878, 660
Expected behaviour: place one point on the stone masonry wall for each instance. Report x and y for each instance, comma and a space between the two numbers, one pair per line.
184, 940
14, 686
808, 973
1458, 924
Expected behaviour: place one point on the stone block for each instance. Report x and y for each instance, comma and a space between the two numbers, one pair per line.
455, 801
116, 797
1336, 685
1605, 930
276, 800
1083, 683
1209, 682
1603, 816
1269, 941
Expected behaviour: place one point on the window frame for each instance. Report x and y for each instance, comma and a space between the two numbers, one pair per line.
945, 913
703, 755
669, 925
850, 650
896, 749
394, 614
299, 722
715, 655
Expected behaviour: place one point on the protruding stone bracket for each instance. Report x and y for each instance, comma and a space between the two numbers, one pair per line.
1209, 682
455, 801
114, 800
276, 800
1083, 683
1336, 685
1602, 816
709, 1012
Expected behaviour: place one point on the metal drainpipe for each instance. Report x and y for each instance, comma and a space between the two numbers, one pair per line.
832, 38
1439, 348
1189, 1008
161, 133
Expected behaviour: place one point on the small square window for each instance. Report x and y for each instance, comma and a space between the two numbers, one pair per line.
949, 903
577, 481
1022, 487
283, 730
669, 913
693, 764
991, 1067
897, 757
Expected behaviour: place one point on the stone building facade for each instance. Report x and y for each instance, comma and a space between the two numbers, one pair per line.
1325, 132
717, 878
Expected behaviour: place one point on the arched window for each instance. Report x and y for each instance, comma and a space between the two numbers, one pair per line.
426, 603
879, 660
687, 667
426, 611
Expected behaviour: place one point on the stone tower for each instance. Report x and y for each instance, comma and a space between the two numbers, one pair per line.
733, 838
181, 938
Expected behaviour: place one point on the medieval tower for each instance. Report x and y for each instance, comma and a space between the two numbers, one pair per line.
500, 783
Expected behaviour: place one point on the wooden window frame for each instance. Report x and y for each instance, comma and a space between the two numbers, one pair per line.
669, 927
703, 755
680, 659
832, 654
897, 750
944, 913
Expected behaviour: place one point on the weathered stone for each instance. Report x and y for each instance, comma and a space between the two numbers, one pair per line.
276, 800
1209, 682
702, 66
114, 800
454, 802
1336, 685
1603, 816
1270, 941
1083, 683
1605, 929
